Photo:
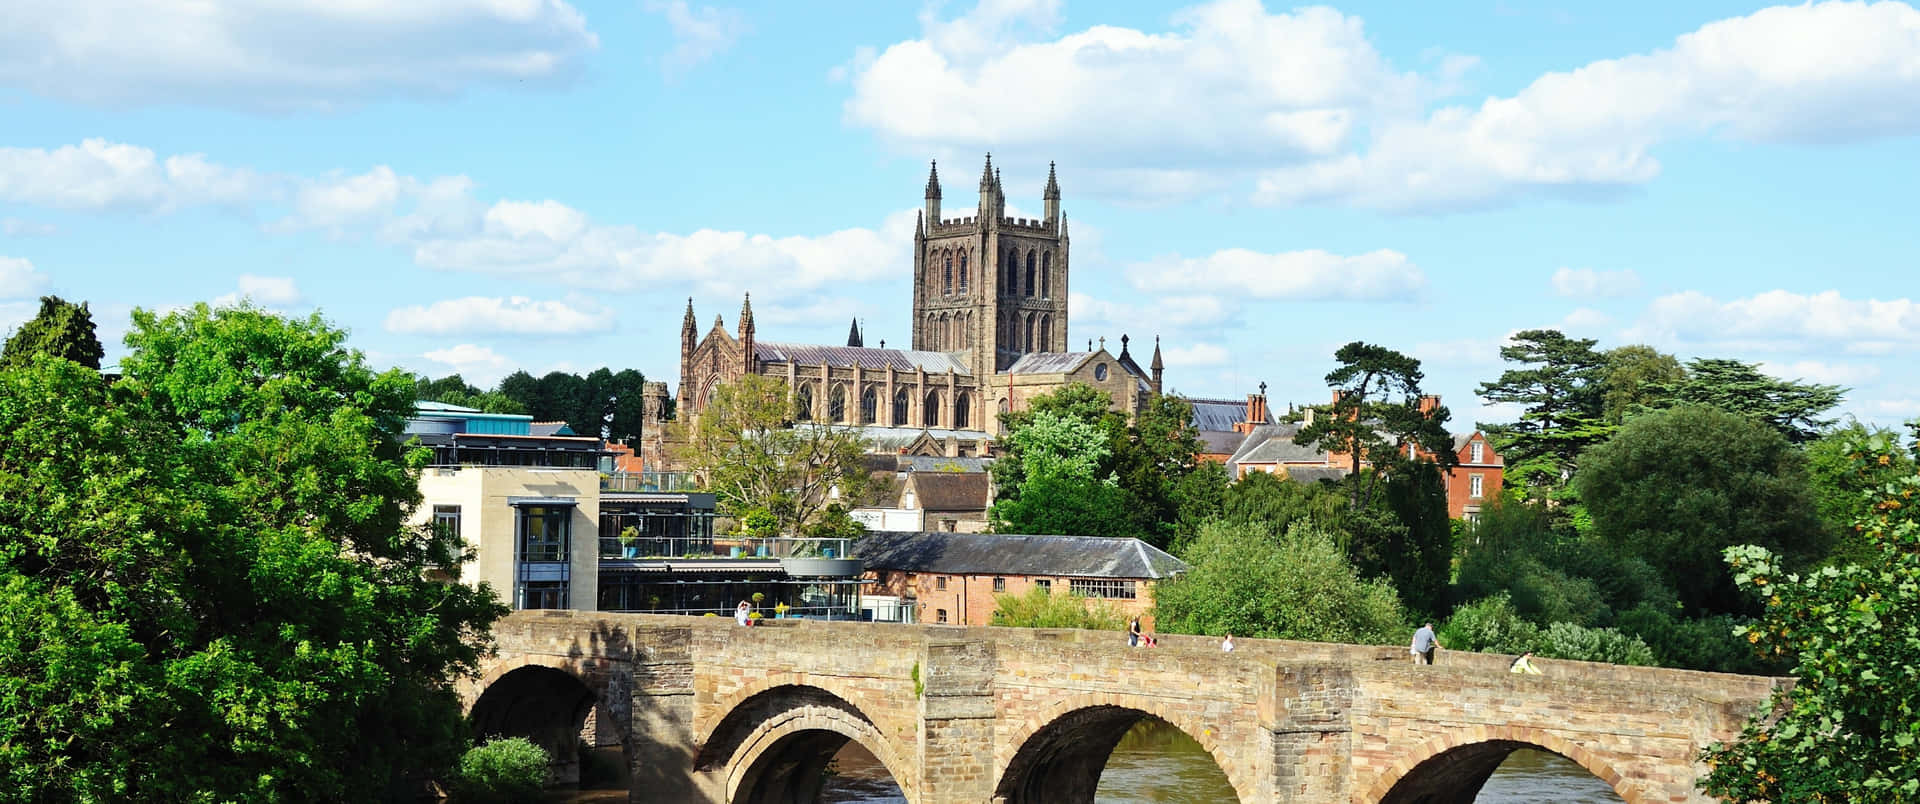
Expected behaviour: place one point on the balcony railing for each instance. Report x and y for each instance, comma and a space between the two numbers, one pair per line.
648, 481
657, 547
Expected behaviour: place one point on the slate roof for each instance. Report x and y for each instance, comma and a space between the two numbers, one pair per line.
1048, 362
550, 429
932, 463
807, 354
1315, 474
951, 491
1217, 442
1273, 443
1219, 414
1007, 554
891, 439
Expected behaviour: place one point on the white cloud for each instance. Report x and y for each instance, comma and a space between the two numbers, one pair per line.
1230, 85
477, 364
699, 33
288, 54
99, 174
15, 227
518, 315
1196, 355
1782, 320
1586, 283
1831, 72
1822, 371
1173, 312
18, 278
1583, 319
1382, 275
267, 291
1464, 352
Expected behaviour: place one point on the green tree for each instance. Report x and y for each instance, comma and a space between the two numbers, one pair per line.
1420, 560
61, 329
1267, 502
1677, 487
1297, 585
1842, 495
1041, 608
1633, 376
453, 390
1849, 728
1376, 417
1051, 504
747, 449
1560, 391
212, 556
1791, 407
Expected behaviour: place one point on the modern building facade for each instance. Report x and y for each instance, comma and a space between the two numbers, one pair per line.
954, 578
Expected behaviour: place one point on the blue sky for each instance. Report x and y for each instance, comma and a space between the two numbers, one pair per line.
489, 185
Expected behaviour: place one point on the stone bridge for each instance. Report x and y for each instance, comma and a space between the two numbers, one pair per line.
707, 711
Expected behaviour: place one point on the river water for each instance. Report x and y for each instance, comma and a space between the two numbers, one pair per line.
1156, 762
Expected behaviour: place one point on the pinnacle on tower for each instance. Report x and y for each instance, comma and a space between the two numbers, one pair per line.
1156, 365
933, 181
746, 313
853, 333
986, 174
1053, 186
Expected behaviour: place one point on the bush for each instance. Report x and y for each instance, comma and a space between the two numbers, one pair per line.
510, 769
1569, 641
1489, 625
1708, 643
1248, 581
1040, 608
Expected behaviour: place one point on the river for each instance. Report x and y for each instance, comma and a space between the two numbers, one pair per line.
1158, 763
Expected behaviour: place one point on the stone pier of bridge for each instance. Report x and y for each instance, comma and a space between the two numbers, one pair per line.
707, 711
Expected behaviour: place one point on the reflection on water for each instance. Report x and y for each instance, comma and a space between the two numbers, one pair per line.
1158, 763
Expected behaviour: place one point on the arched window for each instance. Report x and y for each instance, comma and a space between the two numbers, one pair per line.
960, 331
869, 405
1030, 333
1012, 262
1046, 272
803, 403
900, 400
1030, 283
1046, 332
960, 404
930, 415
837, 404
1005, 406
946, 284
963, 273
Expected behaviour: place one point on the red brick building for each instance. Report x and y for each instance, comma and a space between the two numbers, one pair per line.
952, 578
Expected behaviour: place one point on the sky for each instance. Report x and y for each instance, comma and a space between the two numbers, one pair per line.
481, 186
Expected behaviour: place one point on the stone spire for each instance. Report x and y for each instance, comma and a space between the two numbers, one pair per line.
1050, 200
748, 359
686, 324
853, 334
1157, 366
687, 342
746, 315
933, 195
986, 174
1053, 185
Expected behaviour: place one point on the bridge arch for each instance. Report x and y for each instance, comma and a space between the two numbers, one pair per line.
775, 737
1451, 768
1057, 754
546, 699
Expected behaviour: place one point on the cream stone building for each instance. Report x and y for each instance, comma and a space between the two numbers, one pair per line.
989, 334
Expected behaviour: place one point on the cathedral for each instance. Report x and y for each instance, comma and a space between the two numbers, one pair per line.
989, 333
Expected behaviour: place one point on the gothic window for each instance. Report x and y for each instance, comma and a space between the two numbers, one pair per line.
869, 406
1030, 284
900, 408
963, 273
837, 404
1005, 407
960, 405
1046, 271
930, 415
1046, 332
946, 285
1013, 272
803, 403
1029, 340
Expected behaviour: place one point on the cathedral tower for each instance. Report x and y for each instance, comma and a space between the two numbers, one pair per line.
990, 285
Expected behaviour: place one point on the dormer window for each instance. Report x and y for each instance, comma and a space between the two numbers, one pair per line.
1479, 452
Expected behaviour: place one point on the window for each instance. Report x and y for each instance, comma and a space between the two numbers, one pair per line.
940, 584
837, 404
1046, 267
1100, 372
803, 403
543, 595
1044, 583
930, 415
1473, 487
940, 615
999, 584
1046, 333
961, 402
869, 406
1029, 284
1012, 261
963, 273
900, 408
543, 532
1479, 452
446, 521
946, 286
1102, 587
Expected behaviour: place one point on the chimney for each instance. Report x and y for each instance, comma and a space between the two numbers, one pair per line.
1256, 411
1307, 420
1427, 403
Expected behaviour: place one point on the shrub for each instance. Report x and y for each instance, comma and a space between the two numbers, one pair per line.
1569, 641
510, 769
1248, 581
1039, 608
1490, 625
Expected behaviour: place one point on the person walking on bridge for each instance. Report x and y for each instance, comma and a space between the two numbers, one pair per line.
1524, 664
1424, 645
